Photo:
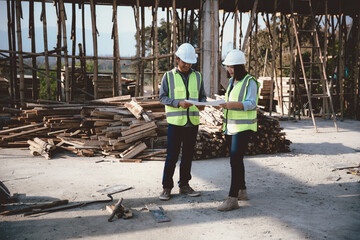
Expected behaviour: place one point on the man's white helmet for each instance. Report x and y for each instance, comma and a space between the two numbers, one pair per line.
186, 52
234, 57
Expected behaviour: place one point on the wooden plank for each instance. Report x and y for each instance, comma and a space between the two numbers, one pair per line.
157, 213
135, 151
131, 160
21, 128
152, 154
151, 133
138, 129
113, 99
134, 108
24, 133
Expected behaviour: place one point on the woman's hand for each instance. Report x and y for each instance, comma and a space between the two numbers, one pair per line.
200, 107
184, 104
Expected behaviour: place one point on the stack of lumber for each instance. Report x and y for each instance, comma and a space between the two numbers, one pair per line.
265, 93
108, 127
211, 142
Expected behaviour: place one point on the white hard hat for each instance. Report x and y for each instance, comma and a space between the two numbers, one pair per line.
186, 52
234, 57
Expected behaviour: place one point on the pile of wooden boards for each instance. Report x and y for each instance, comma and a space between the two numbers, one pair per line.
211, 142
118, 127
131, 129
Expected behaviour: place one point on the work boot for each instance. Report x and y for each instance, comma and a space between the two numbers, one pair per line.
243, 195
230, 203
189, 191
165, 194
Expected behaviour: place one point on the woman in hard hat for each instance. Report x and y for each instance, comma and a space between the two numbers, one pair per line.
177, 85
240, 121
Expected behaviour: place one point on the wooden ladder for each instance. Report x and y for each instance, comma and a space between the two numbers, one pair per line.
316, 59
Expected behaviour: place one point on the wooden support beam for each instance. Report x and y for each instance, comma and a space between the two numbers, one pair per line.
174, 36
249, 28
59, 92
62, 17
94, 31
35, 84
156, 79
12, 67
43, 19
117, 64
21, 61
73, 60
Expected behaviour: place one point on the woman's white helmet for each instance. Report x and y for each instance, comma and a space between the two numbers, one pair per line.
186, 52
234, 57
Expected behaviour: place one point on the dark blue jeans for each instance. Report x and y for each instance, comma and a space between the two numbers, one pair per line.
177, 136
237, 145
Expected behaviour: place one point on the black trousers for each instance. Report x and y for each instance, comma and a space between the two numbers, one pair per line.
177, 136
237, 145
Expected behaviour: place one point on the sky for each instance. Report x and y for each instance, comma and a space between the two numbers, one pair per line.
126, 28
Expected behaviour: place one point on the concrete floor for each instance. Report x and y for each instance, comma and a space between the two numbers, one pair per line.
293, 195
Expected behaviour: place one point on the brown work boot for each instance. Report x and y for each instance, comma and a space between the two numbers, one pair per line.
243, 195
165, 194
189, 191
229, 204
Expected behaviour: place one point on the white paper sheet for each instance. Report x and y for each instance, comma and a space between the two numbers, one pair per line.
210, 103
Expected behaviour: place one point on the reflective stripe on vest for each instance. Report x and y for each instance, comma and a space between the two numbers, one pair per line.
237, 120
177, 91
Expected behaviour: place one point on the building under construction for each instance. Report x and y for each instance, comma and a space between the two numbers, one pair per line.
309, 67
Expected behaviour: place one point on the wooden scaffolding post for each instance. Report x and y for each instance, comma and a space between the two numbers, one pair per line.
21, 61
356, 67
240, 30
249, 28
155, 83
256, 47
200, 26
137, 18
326, 111
59, 93
280, 63
174, 30
191, 27
11, 54
117, 65
94, 31
73, 38
43, 19
235, 22
273, 60
34, 84
83, 34
212, 64
168, 34
142, 67
62, 17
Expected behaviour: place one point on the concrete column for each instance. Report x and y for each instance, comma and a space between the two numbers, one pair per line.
210, 43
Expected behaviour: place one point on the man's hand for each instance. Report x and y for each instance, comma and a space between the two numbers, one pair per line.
201, 107
231, 105
184, 104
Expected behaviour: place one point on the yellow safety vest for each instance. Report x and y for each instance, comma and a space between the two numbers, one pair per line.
237, 120
177, 90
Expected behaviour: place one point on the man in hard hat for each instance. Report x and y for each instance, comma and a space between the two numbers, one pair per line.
177, 85
240, 121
